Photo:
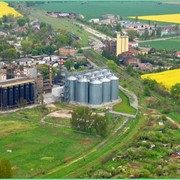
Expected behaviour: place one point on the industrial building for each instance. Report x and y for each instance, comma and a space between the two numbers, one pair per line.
95, 87
16, 92
122, 44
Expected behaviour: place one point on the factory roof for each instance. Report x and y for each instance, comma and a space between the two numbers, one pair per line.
14, 82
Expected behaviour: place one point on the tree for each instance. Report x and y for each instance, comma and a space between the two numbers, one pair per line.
101, 125
26, 46
5, 169
69, 64
118, 27
5, 19
147, 91
21, 22
82, 119
76, 44
132, 34
175, 91
9, 54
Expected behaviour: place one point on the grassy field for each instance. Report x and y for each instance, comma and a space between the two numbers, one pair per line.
66, 24
122, 8
169, 44
35, 148
124, 106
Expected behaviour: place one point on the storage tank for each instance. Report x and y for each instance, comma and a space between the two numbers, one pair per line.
26, 92
114, 87
106, 90
72, 88
31, 92
56, 91
10, 96
95, 92
4, 98
82, 90
21, 91
16, 95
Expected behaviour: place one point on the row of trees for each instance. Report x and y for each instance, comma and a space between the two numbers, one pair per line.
160, 89
83, 119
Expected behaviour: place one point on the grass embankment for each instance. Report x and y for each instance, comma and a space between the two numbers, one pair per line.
66, 24
124, 106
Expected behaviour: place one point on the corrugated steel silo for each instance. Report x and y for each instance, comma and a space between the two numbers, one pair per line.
106, 90
72, 88
16, 95
4, 98
31, 92
26, 92
82, 90
10, 96
95, 92
21, 91
114, 87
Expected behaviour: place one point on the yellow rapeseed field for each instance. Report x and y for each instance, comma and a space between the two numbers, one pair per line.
167, 78
172, 18
6, 10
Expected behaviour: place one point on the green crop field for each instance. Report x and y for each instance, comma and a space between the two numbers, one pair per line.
122, 8
170, 44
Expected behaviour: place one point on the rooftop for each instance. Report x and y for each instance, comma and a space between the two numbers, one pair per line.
13, 82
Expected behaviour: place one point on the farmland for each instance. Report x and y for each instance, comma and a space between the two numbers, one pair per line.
170, 18
169, 44
167, 78
96, 9
6, 10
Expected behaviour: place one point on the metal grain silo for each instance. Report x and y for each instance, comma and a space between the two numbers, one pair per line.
21, 91
10, 96
4, 98
95, 92
26, 92
72, 88
114, 87
106, 90
31, 92
16, 95
82, 90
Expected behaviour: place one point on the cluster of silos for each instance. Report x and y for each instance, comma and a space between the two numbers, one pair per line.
92, 87
11, 96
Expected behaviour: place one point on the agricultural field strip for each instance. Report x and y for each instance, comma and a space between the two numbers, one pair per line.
170, 18
167, 78
5, 9
123, 9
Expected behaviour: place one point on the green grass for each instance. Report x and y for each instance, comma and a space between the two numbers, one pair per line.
66, 24
169, 44
29, 147
56, 120
174, 116
124, 106
122, 8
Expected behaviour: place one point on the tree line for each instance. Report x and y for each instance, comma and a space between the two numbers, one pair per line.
84, 120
